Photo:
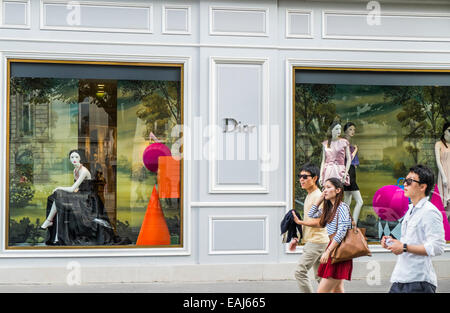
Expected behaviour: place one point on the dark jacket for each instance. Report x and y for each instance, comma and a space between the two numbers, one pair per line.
289, 228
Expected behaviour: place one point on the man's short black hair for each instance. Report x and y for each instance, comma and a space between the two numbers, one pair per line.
312, 169
426, 176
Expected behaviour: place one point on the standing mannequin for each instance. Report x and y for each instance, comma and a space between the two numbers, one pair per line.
336, 157
442, 152
352, 191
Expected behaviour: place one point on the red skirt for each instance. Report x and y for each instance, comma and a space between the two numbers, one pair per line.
341, 270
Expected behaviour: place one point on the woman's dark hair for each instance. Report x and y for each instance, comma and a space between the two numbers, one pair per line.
311, 169
80, 153
426, 176
329, 210
330, 132
444, 128
347, 125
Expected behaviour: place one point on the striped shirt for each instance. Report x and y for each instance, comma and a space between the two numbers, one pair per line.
339, 227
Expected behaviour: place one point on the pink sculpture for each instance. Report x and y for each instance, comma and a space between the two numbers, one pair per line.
437, 201
390, 203
152, 153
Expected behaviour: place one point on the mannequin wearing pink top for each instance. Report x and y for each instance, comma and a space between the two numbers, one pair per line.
335, 152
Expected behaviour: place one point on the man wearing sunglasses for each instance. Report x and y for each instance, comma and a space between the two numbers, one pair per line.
422, 237
315, 239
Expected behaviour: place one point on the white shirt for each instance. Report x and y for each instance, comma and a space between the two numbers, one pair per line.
422, 225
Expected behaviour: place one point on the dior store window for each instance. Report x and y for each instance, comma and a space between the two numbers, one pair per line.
367, 128
93, 159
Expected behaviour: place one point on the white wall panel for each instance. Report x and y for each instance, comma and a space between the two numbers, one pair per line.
15, 14
238, 21
176, 19
238, 91
299, 24
96, 16
238, 234
390, 26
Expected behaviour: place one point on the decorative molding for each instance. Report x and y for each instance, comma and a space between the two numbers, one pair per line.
214, 45
262, 33
310, 32
263, 138
388, 37
257, 204
27, 12
187, 170
212, 218
165, 27
118, 5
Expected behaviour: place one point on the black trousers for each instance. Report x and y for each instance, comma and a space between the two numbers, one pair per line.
414, 287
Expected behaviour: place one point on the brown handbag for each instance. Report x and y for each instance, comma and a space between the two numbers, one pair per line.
354, 245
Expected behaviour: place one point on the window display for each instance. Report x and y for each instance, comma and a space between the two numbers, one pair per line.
392, 120
78, 133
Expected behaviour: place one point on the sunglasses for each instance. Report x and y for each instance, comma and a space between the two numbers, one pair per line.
304, 176
409, 181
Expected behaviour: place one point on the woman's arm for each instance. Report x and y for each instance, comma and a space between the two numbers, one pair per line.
349, 162
317, 203
311, 223
437, 152
355, 152
322, 163
343, 222
324, 258
83, 175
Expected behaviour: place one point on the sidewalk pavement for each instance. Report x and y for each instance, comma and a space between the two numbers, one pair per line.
267, 286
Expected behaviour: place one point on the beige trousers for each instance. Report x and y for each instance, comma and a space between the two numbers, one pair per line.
310, 258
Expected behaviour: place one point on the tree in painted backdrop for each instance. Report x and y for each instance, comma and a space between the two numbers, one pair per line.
45, 90
424, 111
314, 112
34, 91
159, 108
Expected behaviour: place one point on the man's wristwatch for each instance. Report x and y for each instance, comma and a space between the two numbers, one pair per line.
405, 247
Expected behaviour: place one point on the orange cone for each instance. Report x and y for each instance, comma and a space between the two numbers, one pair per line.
154, 230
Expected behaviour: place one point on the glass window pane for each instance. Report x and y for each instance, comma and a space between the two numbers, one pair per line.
93, 161
395, 126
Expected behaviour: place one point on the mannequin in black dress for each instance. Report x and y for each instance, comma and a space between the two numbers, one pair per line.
352, 190
76, 214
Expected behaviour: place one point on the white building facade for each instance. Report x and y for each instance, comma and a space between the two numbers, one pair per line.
245, 63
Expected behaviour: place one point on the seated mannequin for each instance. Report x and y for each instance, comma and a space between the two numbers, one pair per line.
76, 214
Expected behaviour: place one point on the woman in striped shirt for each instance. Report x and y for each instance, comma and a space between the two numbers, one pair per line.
335, 216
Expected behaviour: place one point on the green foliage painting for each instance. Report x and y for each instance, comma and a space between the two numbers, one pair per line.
396, 127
